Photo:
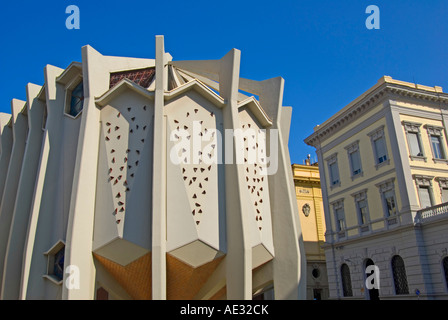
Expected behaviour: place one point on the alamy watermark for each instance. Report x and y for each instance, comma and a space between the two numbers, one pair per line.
73, 21
73, 278
373, 20
372, 277
237, 146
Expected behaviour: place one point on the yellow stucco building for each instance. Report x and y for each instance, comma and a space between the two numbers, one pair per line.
311, 212
384, 173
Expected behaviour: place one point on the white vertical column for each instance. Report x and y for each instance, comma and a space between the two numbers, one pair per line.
25, 190
47, 171
159, 180
289, 265
239, 249
397, 138
329, 235
6, 146
20, 127
78, 250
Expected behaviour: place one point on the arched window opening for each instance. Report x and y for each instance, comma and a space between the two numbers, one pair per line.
445, 270
399, 274
346, 281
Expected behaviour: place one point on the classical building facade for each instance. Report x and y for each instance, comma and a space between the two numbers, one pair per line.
312, 220
123, 178
384, 172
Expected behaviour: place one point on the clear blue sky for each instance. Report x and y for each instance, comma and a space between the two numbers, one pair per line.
321, 48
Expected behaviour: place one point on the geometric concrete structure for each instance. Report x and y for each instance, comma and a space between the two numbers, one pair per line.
149, 179
383, 168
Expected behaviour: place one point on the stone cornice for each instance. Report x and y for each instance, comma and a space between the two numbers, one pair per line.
366, 102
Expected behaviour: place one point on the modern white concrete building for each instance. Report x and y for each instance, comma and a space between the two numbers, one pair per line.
383, 165
110, 188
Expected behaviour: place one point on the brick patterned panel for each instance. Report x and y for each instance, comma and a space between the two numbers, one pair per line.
135, 278
220, 295
184, 281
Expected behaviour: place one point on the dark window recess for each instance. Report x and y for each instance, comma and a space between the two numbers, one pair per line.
58, 266
77, 100
346, 281
142, 77
399, 273
445, 270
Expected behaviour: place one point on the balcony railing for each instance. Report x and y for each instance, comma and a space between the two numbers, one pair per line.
431, 212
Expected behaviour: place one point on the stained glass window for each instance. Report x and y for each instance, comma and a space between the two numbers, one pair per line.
142, 77
58, 266
77, 100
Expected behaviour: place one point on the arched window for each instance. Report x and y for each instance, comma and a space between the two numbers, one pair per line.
346, 281
445, 269
399, 273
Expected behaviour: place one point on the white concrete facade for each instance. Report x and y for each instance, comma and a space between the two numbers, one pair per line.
93, 204
390, 204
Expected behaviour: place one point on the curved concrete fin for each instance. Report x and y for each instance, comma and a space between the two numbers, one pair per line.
4, 120
270, 92
50, 75
285, 123
34, 106
271, 97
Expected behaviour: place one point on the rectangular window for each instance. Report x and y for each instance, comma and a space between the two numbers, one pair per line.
389, 199
414, 144
339, 213
362, 210
380, 150
355, 160
437, 147
334, 174
425, 197
444, 194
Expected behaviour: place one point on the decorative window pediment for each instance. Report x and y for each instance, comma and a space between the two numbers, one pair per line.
360, 195
377, 133
443, 182
352, 147
423, 181
387, 185
332, 159
434, 130
338, 204
411, 126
